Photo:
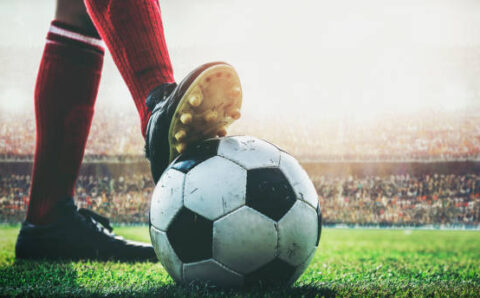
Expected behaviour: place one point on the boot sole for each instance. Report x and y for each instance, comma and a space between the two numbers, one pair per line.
211, 103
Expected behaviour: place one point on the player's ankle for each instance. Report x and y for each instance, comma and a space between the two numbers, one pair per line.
156, 95
41, 218
47, 213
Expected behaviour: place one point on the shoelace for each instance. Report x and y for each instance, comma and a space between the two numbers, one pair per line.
97, 218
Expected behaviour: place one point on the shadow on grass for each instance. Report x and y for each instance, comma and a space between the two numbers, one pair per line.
46, 278
38, 278
200, 290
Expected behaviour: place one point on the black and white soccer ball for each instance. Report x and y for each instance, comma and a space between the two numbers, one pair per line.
235, 211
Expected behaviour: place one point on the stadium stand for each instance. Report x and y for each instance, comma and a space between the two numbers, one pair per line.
403, 170
389, 200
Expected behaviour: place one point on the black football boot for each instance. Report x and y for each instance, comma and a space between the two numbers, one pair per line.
78, 234
200, 107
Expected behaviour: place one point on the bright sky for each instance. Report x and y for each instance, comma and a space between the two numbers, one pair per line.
318, 58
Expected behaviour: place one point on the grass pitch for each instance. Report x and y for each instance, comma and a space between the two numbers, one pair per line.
348, 263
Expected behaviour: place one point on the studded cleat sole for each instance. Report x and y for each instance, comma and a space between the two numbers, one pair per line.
210, 104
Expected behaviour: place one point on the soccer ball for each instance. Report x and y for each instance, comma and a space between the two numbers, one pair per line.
235, 211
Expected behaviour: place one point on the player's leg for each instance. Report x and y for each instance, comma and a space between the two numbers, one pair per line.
65, 94
172, 116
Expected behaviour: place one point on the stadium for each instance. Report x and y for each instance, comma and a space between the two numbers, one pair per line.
395, 163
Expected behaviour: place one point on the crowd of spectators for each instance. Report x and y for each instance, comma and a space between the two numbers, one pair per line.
434, 136
401, 199
389, 200
113, 135
123, 199
399, 137
397, 199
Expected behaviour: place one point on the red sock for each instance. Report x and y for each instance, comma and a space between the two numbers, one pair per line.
65, 92
133, 32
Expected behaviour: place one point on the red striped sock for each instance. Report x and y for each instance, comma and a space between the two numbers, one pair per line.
133, 32
65, 93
